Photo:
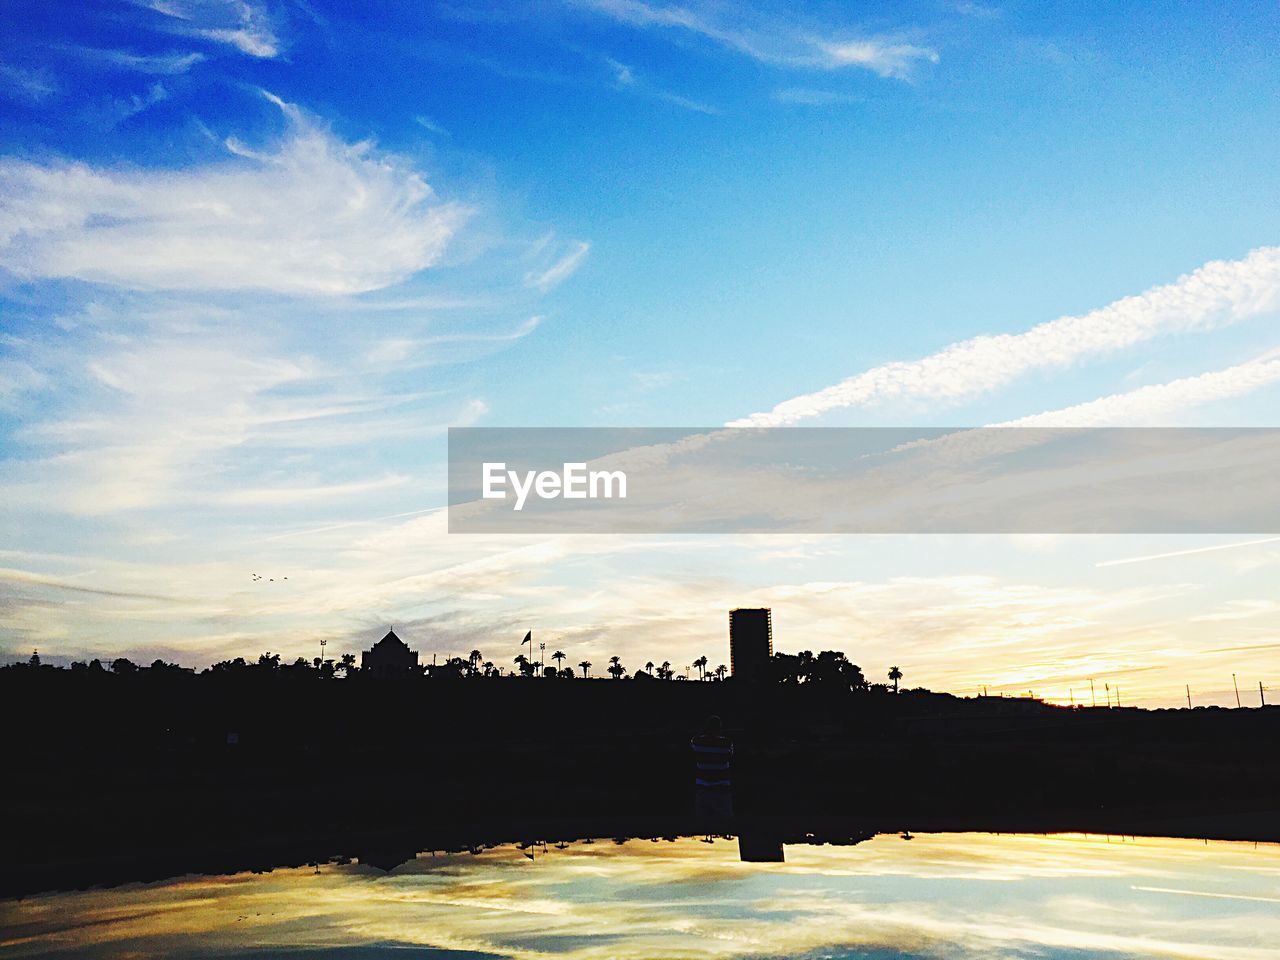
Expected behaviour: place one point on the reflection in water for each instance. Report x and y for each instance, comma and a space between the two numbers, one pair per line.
760, 848
949, 894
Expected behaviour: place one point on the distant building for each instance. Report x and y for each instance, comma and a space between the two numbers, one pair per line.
750, 641
389, 657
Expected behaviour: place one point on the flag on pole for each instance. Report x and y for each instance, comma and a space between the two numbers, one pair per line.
528, 638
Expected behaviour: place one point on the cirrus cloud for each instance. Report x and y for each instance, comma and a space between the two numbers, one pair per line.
1219, 292
770, 41
244, 25
314, 215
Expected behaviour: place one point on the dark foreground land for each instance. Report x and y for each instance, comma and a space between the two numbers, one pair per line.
134, 777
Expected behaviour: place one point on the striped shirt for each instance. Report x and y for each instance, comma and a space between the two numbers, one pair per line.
711, 756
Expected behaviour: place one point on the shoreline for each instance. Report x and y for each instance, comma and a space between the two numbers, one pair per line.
19, 879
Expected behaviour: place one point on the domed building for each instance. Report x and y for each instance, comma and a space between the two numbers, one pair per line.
389, 657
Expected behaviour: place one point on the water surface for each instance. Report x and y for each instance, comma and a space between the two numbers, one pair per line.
941, 895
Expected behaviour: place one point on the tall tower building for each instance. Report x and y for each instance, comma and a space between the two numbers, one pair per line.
750, 641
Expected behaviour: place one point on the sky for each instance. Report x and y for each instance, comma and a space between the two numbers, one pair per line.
1062, 897
257, 257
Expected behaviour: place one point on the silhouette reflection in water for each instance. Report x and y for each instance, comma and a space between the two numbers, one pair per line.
760, 848
712, 777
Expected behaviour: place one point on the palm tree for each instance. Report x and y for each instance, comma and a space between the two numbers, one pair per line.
721, 671
586, 668
648, 668
895, 675
488, 667
616, 669
558, 657
665, 672
473, 661
522, 662
701, 664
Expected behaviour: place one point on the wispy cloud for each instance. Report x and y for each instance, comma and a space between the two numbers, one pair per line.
559, 271
978, 11
685, 103
1147, 406
407, 353
1208, 893
294, 495
27, 578
217, 410
159, 411
625, 79
27, 86
775, 42
622, 74
311, 215
1192, 551
122, 108
885, 57
242, 24
1220, 292
429, 125
159, 63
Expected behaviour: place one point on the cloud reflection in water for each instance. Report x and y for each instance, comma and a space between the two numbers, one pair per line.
955, 895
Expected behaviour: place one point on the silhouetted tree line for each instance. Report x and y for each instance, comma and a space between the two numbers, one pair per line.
828, 670
266, 663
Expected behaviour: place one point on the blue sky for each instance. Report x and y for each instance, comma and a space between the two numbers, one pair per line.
256, 257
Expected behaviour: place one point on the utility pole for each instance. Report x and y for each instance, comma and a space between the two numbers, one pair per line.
1237, 686
1093, 694
542, 653
1072, 694
1261, 696
1117, 694
1188, 696
1106, 688
323, 643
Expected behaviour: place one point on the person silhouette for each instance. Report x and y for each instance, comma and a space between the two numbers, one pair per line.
712, 778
